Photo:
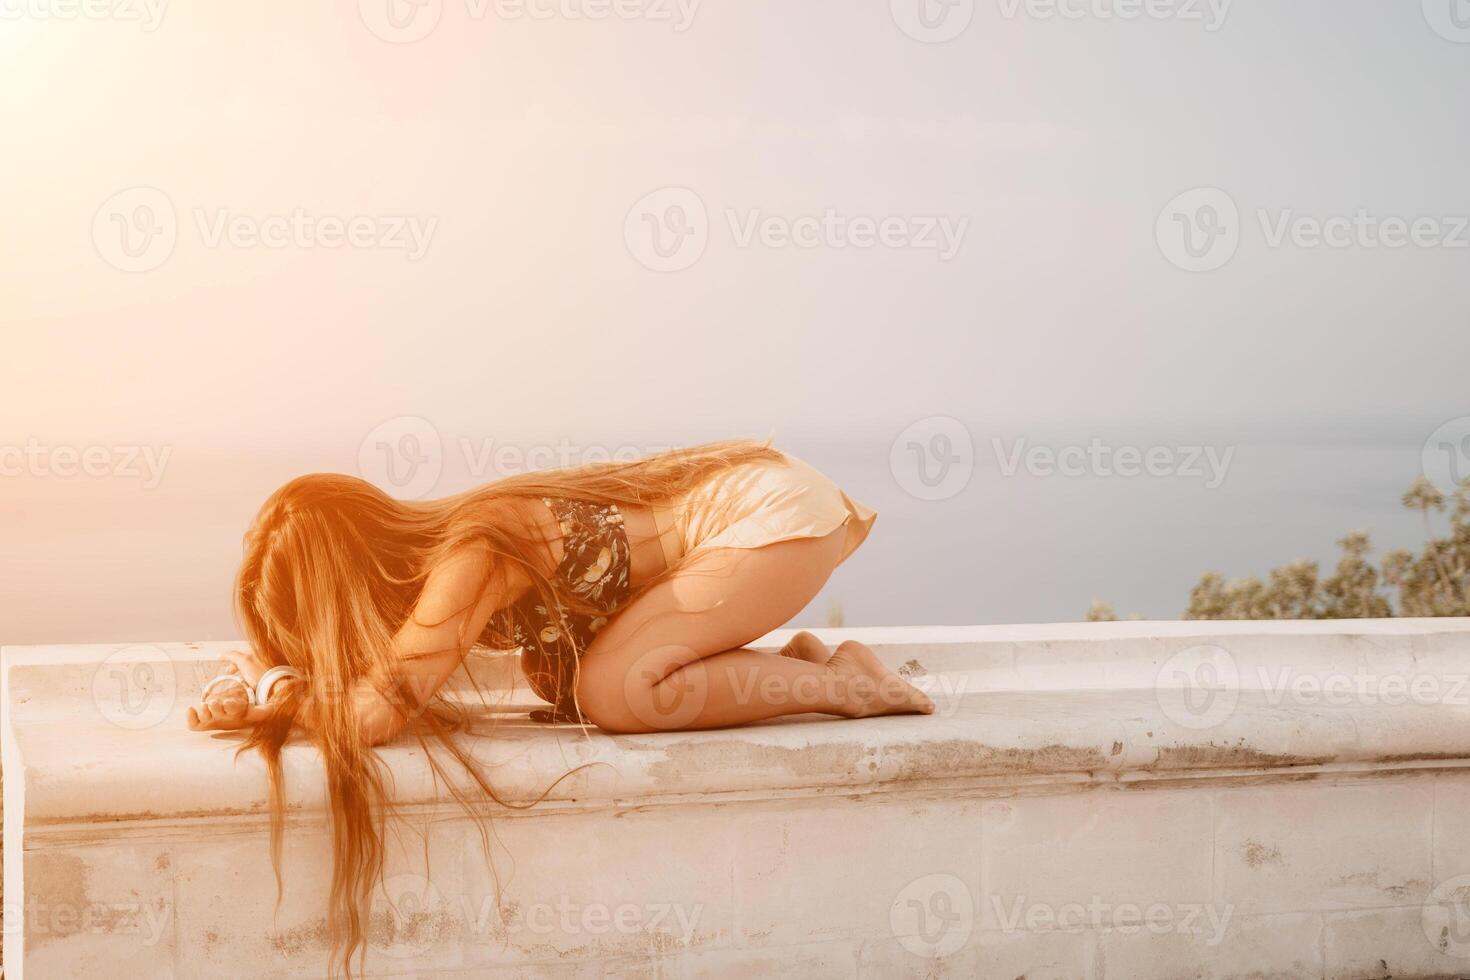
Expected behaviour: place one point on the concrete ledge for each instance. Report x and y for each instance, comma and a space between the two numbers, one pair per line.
95, 726
1240, 730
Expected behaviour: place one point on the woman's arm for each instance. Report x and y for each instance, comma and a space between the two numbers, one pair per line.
457, 601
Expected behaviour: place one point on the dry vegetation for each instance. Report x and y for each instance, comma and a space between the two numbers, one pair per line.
1434, 582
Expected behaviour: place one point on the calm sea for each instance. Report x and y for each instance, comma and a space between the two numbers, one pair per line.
115, 560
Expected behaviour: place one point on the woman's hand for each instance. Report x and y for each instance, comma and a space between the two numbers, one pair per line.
246, 664
229, 707
226, 714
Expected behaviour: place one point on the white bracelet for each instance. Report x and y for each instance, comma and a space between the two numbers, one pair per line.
226, 679
268, 681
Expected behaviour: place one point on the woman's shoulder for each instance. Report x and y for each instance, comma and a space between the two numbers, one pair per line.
454, 584
469, 577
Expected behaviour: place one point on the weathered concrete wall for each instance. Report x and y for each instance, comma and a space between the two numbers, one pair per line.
1110, 800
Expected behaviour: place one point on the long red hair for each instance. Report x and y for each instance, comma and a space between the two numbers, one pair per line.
333, 568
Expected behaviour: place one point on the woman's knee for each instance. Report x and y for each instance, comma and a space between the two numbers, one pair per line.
603, 697
655, 690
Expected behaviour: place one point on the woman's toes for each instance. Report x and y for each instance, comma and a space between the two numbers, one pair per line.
806, 646
873, 689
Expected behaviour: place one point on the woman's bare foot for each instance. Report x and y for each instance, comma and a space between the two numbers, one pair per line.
869, 688
805, 646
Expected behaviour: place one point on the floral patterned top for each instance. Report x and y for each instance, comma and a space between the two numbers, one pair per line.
595, 567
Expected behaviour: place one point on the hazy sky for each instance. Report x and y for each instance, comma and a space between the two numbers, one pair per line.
985, 227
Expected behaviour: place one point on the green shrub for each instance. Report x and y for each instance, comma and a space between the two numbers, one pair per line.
1435, 582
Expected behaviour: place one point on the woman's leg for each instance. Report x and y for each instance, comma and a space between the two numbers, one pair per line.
673, 660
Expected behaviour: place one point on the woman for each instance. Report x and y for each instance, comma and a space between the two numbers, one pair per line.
631, 590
